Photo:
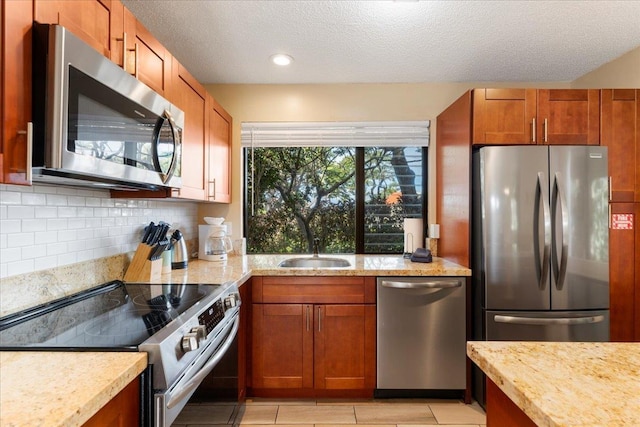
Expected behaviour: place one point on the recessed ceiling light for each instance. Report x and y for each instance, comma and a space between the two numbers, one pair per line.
281, 59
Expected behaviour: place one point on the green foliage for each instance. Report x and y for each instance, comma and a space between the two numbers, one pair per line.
302, 193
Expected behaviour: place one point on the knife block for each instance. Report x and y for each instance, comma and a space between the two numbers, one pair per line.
141, 268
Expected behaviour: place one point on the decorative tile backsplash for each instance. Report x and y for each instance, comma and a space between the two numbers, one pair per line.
43, 227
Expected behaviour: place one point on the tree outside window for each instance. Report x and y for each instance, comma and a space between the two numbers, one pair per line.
296, 194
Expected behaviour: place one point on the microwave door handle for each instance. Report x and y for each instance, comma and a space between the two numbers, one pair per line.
177, 142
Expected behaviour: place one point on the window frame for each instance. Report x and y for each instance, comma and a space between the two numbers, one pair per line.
359, 196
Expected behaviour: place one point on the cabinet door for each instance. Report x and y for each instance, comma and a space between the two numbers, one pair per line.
219, 167
569, 116
504, 116
622, 276
122, 411
345, 346
190, 96
147, 58
620, 132
89, 20
15, 108
282, 346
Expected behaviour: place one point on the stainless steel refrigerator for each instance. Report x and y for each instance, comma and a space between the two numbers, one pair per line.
540, 243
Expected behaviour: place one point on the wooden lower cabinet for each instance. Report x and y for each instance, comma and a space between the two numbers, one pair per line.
121, 411
312, 349
502, 412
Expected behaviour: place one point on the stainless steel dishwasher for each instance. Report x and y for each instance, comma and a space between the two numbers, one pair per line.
421, 336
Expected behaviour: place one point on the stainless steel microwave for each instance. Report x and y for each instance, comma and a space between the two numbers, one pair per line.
94, 123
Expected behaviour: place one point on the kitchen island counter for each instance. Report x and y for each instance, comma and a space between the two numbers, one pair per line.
564, 384
62, 388
240, 268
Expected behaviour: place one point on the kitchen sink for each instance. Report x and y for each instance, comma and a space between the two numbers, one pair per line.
314, 262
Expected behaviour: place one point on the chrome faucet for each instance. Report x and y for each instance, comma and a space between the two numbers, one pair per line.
316, 245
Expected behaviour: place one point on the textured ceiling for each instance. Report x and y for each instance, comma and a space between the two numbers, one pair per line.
221, 41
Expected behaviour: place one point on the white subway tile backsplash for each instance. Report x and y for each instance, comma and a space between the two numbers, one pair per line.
30, 225
46, 226
18, 240
10, 198
34, 251
11, 255
56, 200
46, 212
20, 267
46, 237
10, 226
57, 224
20, 211
67, 212
34, 199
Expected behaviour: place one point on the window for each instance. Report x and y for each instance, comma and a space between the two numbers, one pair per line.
348, 185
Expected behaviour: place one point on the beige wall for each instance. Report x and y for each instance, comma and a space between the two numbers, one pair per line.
334, 102
371, 102
623, 72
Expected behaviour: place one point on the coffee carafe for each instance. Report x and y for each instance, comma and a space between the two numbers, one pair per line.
218, 244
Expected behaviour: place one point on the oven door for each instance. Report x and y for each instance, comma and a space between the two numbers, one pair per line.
169, 403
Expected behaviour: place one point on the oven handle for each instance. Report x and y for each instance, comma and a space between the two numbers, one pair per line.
195, 381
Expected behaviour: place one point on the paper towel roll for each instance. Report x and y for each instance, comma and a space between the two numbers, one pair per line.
413, 232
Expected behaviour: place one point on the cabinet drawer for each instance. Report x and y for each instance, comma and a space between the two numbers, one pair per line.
314, 290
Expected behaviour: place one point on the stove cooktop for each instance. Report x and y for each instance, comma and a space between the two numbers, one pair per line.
114, 316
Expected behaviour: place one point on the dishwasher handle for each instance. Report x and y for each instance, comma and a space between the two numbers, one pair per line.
427, 284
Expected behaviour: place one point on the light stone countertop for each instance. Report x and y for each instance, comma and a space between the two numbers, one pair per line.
78, 384
566, 384
62, 388
240, 268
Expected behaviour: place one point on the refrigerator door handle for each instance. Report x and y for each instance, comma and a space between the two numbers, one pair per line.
499, 318
542, 267
428, 284
557, 197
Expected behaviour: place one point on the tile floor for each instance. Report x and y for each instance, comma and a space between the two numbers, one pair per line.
334, 413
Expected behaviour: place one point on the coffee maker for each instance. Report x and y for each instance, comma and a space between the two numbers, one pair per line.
214, 242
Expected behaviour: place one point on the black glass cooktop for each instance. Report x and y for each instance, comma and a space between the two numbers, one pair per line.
112, 316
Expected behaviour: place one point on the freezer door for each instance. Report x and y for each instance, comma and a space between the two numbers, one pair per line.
515, 227
547, 326
580, 224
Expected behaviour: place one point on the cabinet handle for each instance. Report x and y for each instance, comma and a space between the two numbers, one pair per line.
212, 193
29, 134
610, 188
308, 318
546, 135
319, 319
533, 131
135, 60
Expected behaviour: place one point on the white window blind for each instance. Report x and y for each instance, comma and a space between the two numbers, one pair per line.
341, 134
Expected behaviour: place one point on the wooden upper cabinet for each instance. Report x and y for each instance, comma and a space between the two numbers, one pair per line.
146, 58
530, 116
15, 108
89, 20
569, 116
190, 96
219, 149
504, 116
621, 133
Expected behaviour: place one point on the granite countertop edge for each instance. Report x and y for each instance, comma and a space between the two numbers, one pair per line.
97, 377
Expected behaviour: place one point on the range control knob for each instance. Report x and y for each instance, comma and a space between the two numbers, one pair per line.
200, 331
189, 342
230, 301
